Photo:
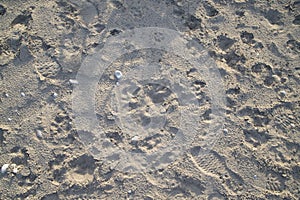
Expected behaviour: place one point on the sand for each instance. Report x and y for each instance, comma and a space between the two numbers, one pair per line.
225, 126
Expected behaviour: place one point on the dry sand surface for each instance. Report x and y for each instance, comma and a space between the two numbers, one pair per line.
236, 129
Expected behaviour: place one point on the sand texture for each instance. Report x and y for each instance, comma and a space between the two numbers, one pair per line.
206, 106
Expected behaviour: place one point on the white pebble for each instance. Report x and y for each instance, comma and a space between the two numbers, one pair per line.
225, 131
23, 94
118, 74
73, 81
282, 93
54, 94
6, 95
4, 168
17, 112
39, 134
9, 119
135, 138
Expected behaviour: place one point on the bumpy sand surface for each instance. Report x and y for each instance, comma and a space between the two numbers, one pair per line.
246, 115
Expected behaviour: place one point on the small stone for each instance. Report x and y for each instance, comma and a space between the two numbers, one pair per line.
39, 134
73, 81
23, 94
6, 95
255, 177
9, 119
135, 138
225, 131
54, 94
282, 93
118, 74
4, 168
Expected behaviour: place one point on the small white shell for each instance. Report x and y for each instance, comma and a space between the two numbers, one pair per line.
118, 74
4, 168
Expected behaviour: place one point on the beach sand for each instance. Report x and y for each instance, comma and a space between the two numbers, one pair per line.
246, 115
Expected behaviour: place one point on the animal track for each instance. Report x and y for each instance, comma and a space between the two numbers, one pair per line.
56, 123
214, 165
48, 68
210, 163
255, 137
275, 183
285, 119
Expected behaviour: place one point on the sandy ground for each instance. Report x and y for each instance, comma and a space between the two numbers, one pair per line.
255, 155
